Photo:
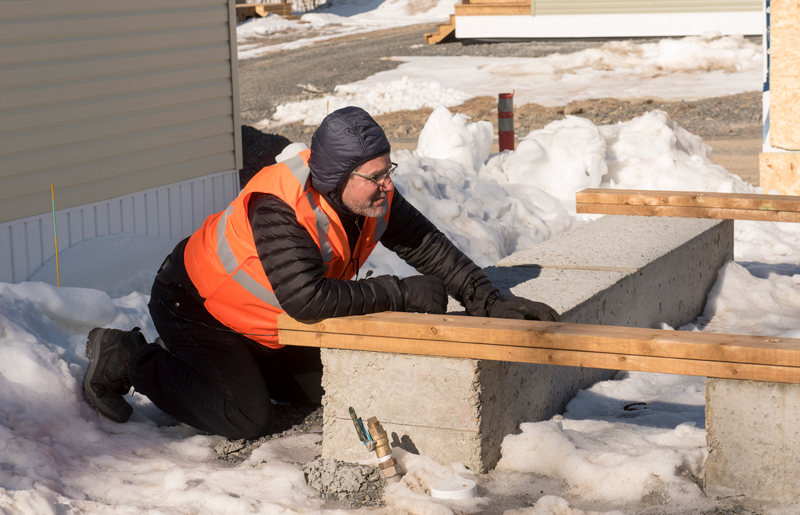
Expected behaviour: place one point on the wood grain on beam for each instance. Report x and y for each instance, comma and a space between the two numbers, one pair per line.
596, 346
769, 208
605, 360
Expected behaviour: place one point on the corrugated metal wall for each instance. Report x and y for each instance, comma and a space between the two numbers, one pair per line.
549, 7
173, 211
108, 98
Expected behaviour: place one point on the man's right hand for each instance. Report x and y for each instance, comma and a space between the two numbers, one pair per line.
424, 294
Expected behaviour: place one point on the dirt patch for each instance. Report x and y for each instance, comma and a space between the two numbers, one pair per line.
355, 485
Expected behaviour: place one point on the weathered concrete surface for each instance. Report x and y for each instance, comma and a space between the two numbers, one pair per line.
628, 271
753, 436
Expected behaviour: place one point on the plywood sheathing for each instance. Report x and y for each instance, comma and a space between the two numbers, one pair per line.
784, 81
781, 172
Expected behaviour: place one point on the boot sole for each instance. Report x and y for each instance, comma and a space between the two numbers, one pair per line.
92, 348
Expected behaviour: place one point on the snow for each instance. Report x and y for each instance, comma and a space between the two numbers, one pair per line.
635, 440
639, 437
689, 68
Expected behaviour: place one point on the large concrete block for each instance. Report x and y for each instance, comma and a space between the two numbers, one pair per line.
628, 271
753, 431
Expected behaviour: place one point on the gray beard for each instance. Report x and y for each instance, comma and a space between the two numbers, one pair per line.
367, 209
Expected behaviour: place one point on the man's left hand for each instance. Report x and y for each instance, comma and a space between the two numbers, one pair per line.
510, 306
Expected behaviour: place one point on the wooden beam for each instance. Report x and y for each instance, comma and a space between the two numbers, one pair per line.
729, 356
692, 204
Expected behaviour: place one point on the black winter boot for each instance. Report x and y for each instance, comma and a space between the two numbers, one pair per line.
106, 378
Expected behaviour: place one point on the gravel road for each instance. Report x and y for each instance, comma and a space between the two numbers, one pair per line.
269, 81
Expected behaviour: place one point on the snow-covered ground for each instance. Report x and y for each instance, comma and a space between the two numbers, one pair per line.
606, 452
337, 19
672, 69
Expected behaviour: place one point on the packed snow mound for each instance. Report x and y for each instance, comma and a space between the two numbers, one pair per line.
603, 445
693, 54
767, 242
450, 136
564, 157
260, 27
759, 299
650, 152
377, 99
638, 436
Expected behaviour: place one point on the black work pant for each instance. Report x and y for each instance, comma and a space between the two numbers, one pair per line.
211, 377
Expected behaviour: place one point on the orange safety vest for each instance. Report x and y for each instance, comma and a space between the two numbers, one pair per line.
223, 264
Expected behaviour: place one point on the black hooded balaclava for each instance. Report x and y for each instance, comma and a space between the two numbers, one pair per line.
346, 139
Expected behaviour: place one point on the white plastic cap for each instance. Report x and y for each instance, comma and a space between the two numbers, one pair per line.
291, 150
454, 488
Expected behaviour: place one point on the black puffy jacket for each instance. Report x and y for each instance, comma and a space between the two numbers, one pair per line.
293, 263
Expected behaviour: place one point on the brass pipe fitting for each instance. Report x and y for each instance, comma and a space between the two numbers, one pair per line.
386, 462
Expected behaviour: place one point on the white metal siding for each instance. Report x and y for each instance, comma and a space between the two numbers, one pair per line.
109, 98
608, 25
555, 7
174, 211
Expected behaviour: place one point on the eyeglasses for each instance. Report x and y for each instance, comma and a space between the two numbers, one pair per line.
380, 178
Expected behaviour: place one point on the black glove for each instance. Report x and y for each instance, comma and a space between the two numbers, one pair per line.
424, 294
510, 306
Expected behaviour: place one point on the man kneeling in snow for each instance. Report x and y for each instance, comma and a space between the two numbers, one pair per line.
291, 241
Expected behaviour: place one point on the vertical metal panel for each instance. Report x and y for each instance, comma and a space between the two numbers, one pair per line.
186, 209
75, 228
175, 227
139, 214
114, 217
48, 241
128, 221
62, 230
6, 260
164, 221
89, 223
101, 217
198, 204
33, 240
19, 253
151, 205
174, 211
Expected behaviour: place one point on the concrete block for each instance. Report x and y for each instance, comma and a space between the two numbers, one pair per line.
752, 431
618, 270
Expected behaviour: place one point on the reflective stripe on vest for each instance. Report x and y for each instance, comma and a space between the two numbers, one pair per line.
229, 261
302, 172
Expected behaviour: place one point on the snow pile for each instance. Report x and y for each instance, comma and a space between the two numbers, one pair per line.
640, 435
649, 152
767, 242
260, 27
448, 136
759, 299
564, 157
693, 54
486, 218
377, 99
